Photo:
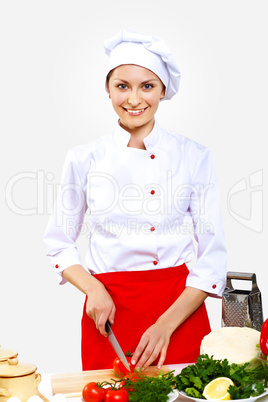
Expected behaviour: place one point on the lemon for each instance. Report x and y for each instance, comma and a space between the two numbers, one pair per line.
218, 389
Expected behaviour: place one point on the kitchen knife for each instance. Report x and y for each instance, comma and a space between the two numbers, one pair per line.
117, 348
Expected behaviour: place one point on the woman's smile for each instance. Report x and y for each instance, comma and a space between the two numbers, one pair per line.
135, 112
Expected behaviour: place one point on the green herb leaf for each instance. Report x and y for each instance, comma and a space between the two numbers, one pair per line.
150, 389
248, 381
194, 393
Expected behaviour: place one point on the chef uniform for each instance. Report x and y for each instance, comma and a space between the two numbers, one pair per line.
144, 210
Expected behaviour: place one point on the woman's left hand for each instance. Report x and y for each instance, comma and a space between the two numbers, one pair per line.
153, 343
155, 340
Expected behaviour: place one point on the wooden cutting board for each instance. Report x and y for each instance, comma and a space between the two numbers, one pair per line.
73, 383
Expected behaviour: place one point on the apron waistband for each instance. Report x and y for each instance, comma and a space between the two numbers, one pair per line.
152, 275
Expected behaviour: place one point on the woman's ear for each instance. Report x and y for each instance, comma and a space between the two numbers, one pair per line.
162, 95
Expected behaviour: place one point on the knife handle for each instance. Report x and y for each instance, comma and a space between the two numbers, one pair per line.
108, 328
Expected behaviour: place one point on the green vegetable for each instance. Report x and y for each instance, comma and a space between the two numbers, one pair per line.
248, 381
193, 392
150, 389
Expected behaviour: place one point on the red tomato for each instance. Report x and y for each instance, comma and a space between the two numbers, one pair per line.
92, 392
106, 389
264, 338
119, 367
119, 395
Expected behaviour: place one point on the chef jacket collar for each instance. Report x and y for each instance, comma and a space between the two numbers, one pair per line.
122, 137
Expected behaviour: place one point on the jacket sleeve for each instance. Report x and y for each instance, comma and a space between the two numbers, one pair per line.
66, 222
209, 271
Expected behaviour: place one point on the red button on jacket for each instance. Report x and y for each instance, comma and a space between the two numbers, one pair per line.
152, 229
152, 192
152, 156
155, 263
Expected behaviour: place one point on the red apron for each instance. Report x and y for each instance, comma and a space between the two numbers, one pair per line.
140, 297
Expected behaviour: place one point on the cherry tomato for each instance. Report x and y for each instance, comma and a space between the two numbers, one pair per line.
119, 395
119, 367
264, 338
92, 392
106, 389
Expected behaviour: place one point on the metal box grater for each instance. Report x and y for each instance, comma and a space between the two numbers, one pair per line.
242, 308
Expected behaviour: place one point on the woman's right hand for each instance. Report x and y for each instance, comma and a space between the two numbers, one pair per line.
100, 306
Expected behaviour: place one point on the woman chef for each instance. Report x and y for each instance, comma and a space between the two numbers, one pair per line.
146, 191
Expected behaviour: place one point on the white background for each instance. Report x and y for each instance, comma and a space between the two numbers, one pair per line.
53, 98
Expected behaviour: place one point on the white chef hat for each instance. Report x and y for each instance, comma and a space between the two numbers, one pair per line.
150, 52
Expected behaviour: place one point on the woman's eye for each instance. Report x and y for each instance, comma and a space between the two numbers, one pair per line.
122, 86
148, 86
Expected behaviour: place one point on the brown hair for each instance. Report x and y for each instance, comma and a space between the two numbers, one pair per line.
108, 78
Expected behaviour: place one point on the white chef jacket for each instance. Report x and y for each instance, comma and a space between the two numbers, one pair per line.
143, 208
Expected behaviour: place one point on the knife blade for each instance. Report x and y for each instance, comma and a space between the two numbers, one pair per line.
117, 348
